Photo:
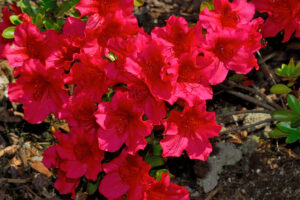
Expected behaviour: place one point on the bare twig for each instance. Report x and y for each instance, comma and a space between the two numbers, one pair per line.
252, 90
251, 99
246, 127
13, 180
242, 112
213, 193
267, 70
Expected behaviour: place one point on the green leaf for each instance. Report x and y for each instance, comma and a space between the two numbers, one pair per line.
50, 24
277, 133
49, 5
155, 161
15, 20
293, 138
207, 3
93, 186
66, 6
157, 150
284, 115
138, 3
295, 123
38, 20
280, 89
9, 32
294, 103
290, 71
26, 7
286, 127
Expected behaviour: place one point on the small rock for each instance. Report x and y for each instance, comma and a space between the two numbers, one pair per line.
228, 154
254, 118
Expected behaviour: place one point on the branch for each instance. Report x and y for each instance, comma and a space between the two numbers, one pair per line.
242, 112
246, 127
251, 99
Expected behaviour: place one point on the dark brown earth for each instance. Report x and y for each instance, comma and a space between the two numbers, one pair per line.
270, 172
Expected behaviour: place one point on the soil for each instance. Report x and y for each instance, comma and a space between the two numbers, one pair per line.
270, 172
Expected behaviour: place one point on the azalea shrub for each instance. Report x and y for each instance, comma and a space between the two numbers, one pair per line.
131, 99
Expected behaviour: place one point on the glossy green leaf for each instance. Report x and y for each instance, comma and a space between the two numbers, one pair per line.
284, 115
280, 89
9, 32
294, 103
139, 3
293, 138
277, 133
295, 123
286, 127
289, 71
155, 161
15, 20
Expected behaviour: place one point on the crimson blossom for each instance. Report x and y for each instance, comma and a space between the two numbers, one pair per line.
40, 89
283, 15
126, 174
76, 155
227, 15
121, 122
165, 190
29, 43
103, 7
189, 130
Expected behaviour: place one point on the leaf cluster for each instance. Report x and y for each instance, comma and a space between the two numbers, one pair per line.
289, 121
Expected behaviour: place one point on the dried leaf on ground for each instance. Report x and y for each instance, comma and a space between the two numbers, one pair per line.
10, 150
40, 167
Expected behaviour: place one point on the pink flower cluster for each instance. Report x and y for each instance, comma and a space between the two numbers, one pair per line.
70, 73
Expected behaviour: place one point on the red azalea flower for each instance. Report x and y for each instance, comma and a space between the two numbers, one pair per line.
283, 15
227, 15
40, 90
165, 190
89, 77
74, 27
66, 185
179, 35
126, 174
103, 7
64, 49
156, 65
190, 130
79, 154
155, 109
29, 43
79, 113
121, 121
115, 24
192, 83
230, 50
